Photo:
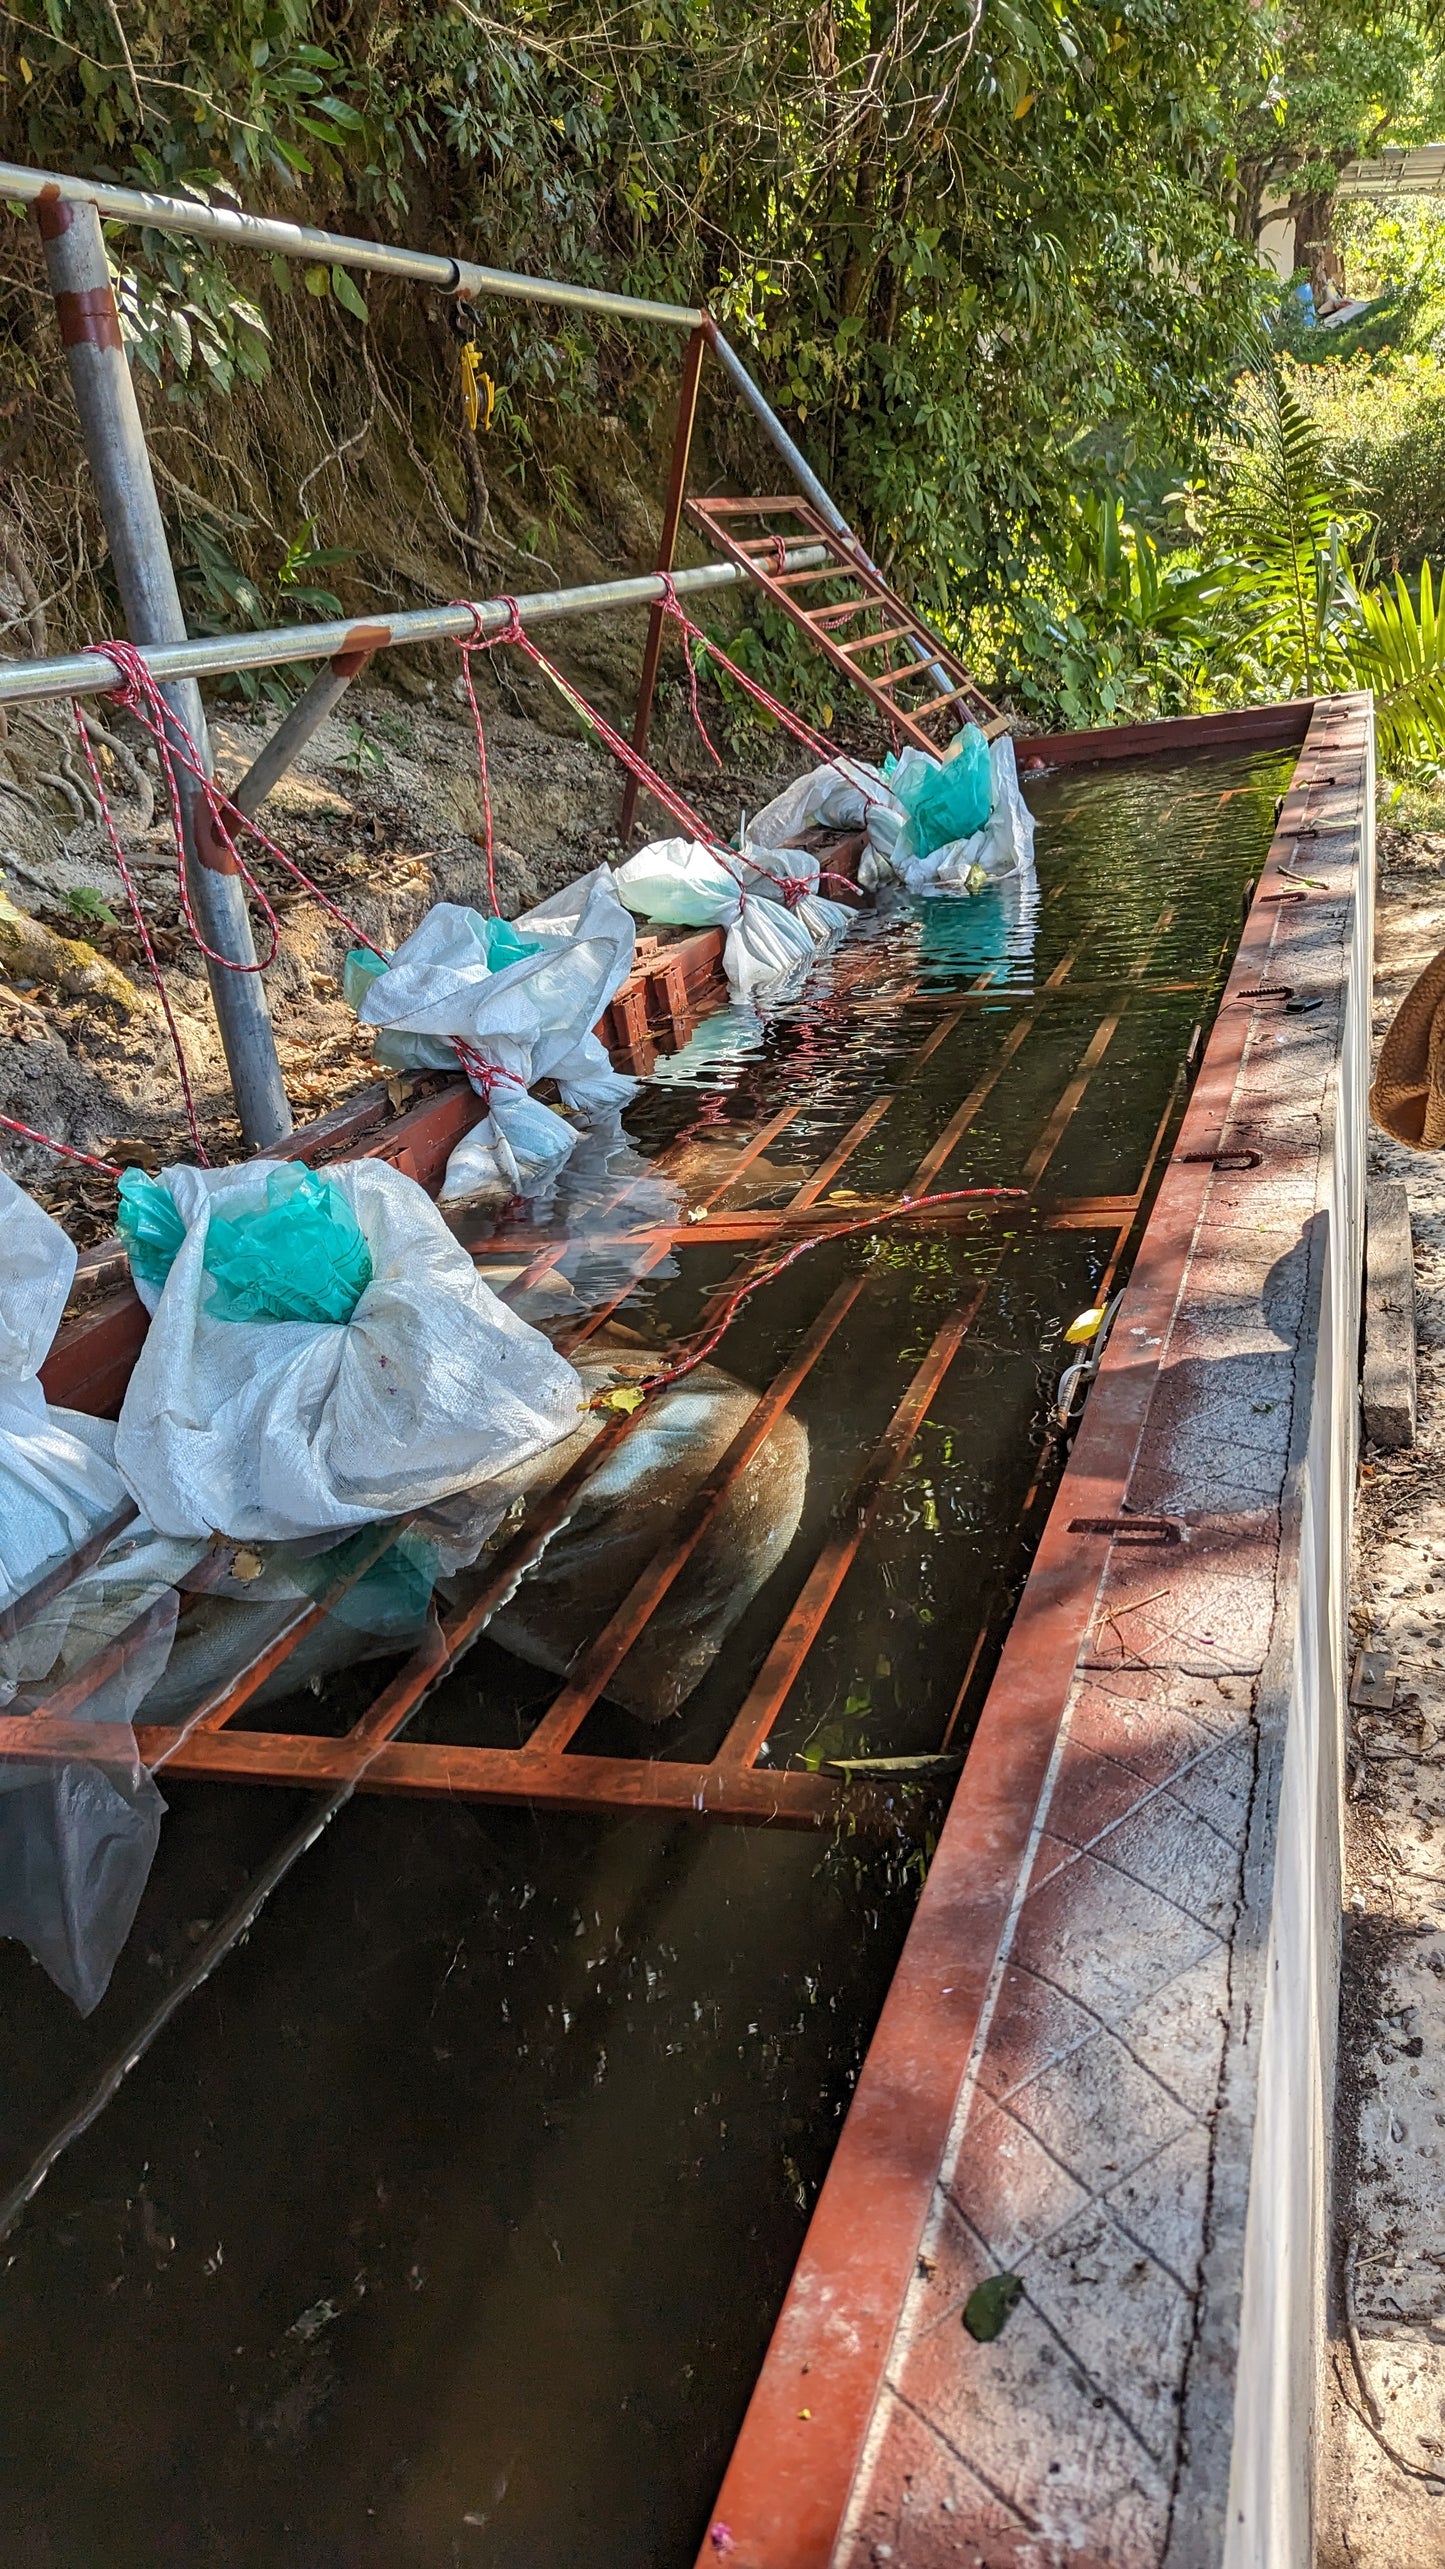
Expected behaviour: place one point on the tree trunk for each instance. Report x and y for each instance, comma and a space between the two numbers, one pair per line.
1314, 250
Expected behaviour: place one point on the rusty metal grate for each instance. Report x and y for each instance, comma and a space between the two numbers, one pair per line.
736, 1783
918, 683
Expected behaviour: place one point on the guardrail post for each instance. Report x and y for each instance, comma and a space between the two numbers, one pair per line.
115, 445
666, 555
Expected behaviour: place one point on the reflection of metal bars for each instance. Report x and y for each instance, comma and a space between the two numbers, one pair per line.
545, 1769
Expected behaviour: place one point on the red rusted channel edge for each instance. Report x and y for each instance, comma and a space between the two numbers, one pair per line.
1261, 724
787, 2487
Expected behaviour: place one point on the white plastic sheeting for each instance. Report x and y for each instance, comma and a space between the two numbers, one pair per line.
282, 1428
78, 1834
773, 931
57, 1476
531, 1019
840, 796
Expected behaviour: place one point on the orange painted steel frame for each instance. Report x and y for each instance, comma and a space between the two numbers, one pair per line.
733, 1784
786, 2491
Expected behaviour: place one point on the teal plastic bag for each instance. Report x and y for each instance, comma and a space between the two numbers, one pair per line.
501, 943
949, 800
150, 1226
302, 1255
296, 1253
391, 1597
360, 969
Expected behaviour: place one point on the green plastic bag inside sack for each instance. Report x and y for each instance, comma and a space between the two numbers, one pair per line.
501, 943
360, 969
949, 801
298, 1253
391, 1597
150, 1226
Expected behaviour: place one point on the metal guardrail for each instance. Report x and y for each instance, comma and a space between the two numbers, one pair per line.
89, 673
272, 238
69, 212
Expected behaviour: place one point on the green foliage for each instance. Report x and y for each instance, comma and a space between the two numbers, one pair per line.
1397, 647
219, 596
954, 240
1278, 515
1340, 78
1382, 438
1265, 602
1127, 631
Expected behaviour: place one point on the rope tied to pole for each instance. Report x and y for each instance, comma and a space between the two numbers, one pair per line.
140, 696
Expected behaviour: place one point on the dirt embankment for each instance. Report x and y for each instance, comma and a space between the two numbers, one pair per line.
383, 811
1383, 2464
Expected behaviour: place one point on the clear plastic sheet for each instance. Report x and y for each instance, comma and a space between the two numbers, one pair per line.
78, 1833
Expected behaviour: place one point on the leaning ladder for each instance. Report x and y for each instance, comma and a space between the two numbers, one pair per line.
919, 684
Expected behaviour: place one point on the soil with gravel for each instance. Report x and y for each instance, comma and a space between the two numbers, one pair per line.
1382, 2476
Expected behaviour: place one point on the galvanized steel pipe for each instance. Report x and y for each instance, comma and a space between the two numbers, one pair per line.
265, 234
115, 444
89, 673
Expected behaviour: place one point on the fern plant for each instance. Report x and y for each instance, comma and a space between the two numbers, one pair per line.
1397, 649
1279, 515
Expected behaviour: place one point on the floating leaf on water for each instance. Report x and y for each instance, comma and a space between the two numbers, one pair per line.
989, 2304
1087, 1326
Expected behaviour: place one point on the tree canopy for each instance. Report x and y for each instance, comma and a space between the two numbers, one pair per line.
967, 240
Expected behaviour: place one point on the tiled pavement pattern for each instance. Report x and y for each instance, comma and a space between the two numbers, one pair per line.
1083, 2153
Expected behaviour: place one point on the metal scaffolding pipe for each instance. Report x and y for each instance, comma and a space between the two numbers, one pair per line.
89, 673
115, 444
273, 239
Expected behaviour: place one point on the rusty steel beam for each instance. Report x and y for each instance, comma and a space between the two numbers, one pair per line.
692, 366
852, 1517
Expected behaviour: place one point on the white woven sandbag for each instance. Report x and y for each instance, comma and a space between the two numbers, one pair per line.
57, 1480
839, 796
530, 1020
281, 1428
772, 933
1003, 848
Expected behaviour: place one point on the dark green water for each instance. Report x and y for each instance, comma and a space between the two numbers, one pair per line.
448, 2221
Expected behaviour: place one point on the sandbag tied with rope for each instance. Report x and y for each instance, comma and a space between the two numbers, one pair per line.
321, 1353
770, 949
953, 824
515, 1001
764, 898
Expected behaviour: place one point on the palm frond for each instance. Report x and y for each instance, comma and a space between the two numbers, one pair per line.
1280, 515
1398, 650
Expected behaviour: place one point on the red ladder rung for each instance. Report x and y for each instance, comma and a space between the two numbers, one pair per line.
870, 641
